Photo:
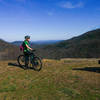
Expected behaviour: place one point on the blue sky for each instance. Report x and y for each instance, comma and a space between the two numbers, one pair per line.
47, 19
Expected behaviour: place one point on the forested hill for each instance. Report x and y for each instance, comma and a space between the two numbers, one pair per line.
86, 45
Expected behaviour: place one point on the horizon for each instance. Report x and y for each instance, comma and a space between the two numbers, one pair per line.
47, 20
50, 39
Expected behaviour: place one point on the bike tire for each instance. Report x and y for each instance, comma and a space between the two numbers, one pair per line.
37, 66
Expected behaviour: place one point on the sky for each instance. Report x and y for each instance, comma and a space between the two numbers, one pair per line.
47, 19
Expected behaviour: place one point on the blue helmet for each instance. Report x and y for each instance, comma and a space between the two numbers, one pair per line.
27, 37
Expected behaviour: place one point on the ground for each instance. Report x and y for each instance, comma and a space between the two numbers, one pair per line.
65, 79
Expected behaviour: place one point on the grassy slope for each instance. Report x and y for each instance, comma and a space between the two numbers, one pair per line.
56, 81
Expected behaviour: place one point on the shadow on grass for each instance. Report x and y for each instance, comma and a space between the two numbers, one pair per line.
91, 69
16, 65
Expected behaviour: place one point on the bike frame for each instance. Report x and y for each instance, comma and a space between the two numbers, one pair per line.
31, 57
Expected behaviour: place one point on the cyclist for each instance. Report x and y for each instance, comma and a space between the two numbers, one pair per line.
27, 50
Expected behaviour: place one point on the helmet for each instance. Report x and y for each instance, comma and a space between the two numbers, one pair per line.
27, 37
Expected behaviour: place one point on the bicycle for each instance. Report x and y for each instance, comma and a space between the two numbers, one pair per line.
34, 63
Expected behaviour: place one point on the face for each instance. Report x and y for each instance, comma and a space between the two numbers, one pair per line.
28, 40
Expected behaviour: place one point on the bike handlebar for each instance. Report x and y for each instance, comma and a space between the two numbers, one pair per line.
33, 50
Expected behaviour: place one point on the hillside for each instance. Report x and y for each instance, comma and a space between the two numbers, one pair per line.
8, 51
84, 46
67, 79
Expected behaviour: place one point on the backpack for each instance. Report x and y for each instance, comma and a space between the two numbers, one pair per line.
22, 47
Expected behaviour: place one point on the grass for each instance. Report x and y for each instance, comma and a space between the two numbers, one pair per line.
58, 80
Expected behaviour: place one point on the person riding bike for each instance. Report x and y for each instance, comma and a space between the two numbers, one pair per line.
27, 50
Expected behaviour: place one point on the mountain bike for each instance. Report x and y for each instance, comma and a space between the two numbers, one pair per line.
34, 61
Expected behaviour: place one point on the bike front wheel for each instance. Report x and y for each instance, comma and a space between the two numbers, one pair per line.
37, 64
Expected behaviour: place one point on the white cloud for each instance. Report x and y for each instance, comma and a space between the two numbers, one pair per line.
70, 5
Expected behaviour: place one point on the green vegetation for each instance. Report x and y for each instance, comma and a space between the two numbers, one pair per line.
65, 79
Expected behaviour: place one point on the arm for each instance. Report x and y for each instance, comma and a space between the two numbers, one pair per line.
28, 47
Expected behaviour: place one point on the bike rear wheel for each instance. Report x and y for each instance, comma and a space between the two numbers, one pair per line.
21, 60
37, 64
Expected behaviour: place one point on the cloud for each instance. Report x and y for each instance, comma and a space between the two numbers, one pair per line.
70, 5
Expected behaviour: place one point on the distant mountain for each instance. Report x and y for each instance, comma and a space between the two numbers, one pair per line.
17, 43
83, 46
46, 42
41, 42
37, 44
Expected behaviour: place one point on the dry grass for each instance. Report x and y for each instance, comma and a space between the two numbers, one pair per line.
66, 79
